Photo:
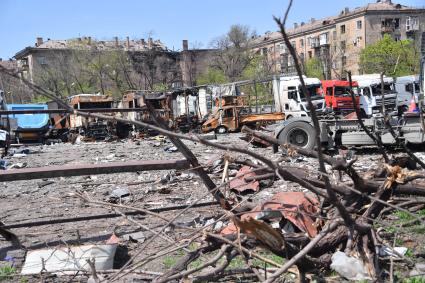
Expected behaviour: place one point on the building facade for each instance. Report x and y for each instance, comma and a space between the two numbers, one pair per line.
337, 40
149, 63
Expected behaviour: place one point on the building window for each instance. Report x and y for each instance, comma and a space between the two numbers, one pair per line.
389, 25
412, 23
357, 41
397, 23
342, 29
359, 24
334, 35
343, 45
344, 61
308, 41
282, 47
310, 54
24, 62
264, 51
302, 42
323, 38
41, 60
294, 44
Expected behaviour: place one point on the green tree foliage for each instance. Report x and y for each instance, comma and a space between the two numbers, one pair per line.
257, 69
212, 76
234, 53
394, 58
314, 68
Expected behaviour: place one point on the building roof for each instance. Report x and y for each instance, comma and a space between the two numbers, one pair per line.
9, 64
91, 44
313, 24
134, 45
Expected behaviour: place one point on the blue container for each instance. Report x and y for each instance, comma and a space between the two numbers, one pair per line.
30, 121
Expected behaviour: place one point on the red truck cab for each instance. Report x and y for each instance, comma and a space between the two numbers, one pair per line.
338, 97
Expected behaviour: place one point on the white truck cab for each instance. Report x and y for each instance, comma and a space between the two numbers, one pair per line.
371, 95
291, 100
407, 87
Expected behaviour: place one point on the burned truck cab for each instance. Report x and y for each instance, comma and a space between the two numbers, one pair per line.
90, 127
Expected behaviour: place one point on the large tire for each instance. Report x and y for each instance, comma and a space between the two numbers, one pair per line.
299, 134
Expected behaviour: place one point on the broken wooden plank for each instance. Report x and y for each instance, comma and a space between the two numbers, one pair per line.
91, 169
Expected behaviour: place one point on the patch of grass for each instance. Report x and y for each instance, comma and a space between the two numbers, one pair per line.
237, 262
418, 279
6, 272
418, 229
409, 253
194, 264
169, 261
278, 259
403, 216
399, 242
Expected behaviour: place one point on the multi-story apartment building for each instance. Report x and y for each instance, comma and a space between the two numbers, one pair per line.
176, 68
338, 40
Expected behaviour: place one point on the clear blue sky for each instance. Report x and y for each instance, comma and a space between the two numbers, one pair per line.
199, 21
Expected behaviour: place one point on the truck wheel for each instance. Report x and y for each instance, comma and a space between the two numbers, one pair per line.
221, 130
300, 134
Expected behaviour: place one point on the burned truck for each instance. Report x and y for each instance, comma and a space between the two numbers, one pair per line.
91, 127
245, 103
178, 109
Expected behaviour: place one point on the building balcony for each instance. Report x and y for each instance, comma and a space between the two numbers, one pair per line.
412, 28
387, 29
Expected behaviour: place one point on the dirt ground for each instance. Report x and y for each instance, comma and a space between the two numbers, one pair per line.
35, 200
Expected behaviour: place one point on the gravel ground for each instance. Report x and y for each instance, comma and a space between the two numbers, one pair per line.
34, 200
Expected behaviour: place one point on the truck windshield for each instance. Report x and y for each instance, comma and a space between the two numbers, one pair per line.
388, 88
342, 91
417, 89
315, 91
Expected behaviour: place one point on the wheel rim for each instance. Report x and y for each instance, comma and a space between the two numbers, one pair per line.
298, 137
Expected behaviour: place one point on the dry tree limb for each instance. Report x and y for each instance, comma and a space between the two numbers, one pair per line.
186, 273
218, 271
332, 197
303, 252
92, 264
376, 139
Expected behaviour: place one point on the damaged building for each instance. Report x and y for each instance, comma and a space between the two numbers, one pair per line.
338, 40
122, 65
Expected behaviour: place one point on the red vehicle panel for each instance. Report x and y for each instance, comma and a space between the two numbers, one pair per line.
337, 95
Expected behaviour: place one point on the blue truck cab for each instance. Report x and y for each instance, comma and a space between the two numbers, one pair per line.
29, 127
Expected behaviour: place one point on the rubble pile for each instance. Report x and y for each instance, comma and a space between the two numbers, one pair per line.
163, 225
